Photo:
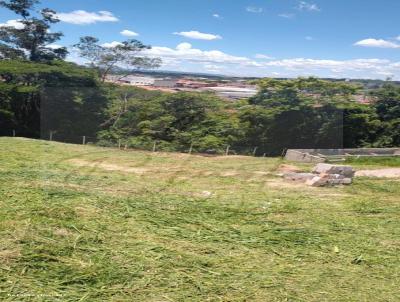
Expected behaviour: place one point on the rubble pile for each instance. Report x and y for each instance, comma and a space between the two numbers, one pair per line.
324, 175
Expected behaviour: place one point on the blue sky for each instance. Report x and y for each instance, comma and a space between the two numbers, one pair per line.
328, 38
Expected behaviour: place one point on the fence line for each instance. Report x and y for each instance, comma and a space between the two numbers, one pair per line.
119, 143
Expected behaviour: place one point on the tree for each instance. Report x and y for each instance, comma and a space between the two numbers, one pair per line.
108, 59
387, 106
274, 92
387, 102
299, 113
38, 97
175, 120
32, 37
360, 126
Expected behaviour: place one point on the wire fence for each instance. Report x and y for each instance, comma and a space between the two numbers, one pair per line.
154, 146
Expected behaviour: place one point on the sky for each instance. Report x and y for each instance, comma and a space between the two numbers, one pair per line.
274, 38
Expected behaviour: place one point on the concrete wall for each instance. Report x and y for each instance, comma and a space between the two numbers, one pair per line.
294, 155
322, 155
358, 151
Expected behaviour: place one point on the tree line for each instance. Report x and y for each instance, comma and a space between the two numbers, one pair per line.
41, 92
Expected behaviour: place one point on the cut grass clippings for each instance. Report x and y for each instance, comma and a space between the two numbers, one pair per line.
187, 228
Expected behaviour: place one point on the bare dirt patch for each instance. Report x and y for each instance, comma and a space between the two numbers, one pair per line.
108, 167
7, 256
62, 232
388, 173
284, 184
229, 174
288, 168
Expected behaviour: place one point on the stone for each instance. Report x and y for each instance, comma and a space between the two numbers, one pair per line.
324, 175
322, 168
343, 181
317, 181
328, 180
347, 181
336, 176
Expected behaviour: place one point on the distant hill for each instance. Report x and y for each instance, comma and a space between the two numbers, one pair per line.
367, 83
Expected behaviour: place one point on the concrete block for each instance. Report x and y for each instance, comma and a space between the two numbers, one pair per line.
328, 180
346, 171
294, 155
317, 181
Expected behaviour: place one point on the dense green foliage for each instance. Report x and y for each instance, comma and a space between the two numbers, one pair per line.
301, 113
40, 93
174, 121
36, 98
40, 97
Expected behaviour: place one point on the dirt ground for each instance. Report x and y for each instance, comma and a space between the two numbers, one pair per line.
389, 172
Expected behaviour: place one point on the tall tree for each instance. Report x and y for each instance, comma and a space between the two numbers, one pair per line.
387, 105
30, 37
107, 59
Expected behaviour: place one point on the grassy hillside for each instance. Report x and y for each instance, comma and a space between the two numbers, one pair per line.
81, 223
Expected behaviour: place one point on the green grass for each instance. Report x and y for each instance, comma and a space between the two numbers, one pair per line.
81, 223
367, 161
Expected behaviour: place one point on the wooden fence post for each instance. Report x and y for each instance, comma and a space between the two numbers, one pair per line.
84, 140
227, 150
191, 148
255, 151
155, 146
13, 133
119, 144
51, 135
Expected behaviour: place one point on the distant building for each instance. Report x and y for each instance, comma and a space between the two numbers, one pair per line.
132, 80
233, 92
165, 83
186, 83
139, 81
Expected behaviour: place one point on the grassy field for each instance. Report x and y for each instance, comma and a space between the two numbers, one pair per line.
81, 223
368, 161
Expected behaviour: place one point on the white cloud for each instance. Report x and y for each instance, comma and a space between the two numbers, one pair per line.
377, 43
186, 58
129, 33
287, 15
306, 6
82, 17
254, 9
185, 52
194, 34
217, 16
398, 38
111, 44
13, 23
263, 57
212, 68
359, 66
54, 46
184, 46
